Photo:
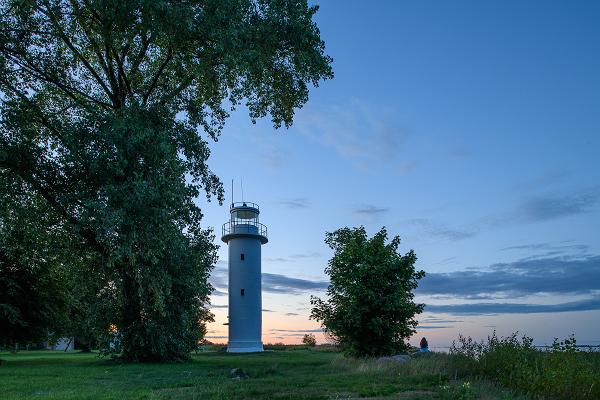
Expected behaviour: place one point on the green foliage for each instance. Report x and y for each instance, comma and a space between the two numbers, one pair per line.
33, 298
101, 105
457, 392
310, 340
561, 373
370, 309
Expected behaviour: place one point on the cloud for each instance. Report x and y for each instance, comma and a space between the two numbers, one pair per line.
546, 208
293, 257
514, 308
219, 306
554, 275
549, 246
437, 320
266, 310
269, 150
297, 330
295, 203
275, 157
218, 278
371, 210
541, 181
290, 314
420, 327
275, 283
434, 229
277, 259
433, 322
272, 283
551, 207
312, 254
217, 292
404, 169
444, 261
356, 131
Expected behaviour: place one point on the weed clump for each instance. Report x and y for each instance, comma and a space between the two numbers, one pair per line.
562, 372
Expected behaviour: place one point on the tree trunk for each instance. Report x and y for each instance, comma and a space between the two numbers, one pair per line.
133, 339
86, 347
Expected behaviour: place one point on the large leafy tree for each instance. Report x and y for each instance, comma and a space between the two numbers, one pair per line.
102, 108
370, 309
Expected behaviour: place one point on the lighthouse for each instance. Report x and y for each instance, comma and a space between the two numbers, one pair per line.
244, 235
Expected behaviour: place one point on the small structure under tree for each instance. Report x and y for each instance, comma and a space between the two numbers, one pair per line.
370, 309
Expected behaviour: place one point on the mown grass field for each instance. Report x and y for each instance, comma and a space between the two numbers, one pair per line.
285, 374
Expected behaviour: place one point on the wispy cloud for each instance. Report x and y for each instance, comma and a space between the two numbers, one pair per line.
440, 231
312, 254
433, 322
277, 259
547, 207
371, 210
290, 314
275, 283
514, 308
553, 275
219, 306
549, 246
444, 261
541, 181
272, 283
293, 257
347, 128
404, 169
218, 278
295, 202
420, 327
275, 157
551, 207
437, 320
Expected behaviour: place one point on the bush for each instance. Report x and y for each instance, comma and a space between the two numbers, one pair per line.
310, 340
561, 373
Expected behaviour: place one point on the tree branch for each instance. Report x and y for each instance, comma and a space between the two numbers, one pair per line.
122, 73
185, 83
42, 74
158, 74
70, 45
141, 54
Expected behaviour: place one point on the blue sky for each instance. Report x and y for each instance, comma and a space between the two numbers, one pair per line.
472, 130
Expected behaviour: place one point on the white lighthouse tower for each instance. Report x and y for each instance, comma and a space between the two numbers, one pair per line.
244, 235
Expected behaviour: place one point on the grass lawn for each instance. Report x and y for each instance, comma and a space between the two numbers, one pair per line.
287, 374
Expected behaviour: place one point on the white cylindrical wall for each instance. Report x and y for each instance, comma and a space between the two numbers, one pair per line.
245, 310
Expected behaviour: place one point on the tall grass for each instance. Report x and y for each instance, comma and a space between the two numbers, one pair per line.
563, 372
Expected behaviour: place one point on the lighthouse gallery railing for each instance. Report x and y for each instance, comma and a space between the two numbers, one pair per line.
244, 226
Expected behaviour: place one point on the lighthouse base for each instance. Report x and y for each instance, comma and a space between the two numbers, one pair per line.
244, 347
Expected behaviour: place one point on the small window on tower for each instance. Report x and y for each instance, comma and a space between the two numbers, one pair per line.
242, 256
242, 292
